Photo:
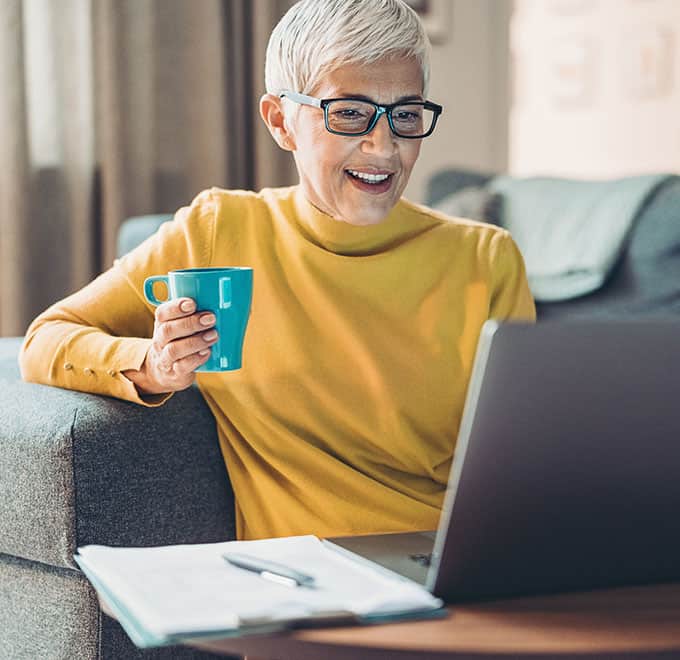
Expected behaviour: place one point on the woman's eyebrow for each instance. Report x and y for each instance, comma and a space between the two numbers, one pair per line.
363, 97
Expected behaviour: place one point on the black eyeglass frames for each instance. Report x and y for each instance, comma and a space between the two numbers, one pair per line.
353, 117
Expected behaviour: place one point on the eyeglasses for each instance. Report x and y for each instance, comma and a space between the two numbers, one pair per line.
349, 116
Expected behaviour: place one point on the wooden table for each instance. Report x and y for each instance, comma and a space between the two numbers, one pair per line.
632, 622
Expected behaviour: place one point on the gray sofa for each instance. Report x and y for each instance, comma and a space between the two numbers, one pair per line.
78, 468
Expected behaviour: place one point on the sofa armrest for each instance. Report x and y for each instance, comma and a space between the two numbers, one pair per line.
80, 468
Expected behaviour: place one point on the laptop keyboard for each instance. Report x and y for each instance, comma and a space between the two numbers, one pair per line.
422, 558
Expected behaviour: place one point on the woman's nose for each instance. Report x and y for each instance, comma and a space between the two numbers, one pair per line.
380, 140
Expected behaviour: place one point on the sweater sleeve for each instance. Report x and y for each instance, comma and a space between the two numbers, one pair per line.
86, 340
510, 297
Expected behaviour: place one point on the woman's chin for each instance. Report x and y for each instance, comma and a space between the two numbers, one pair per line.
364, 217
367, 209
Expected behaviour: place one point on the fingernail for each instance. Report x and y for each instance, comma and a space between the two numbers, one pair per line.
204, 352
207, 319
187, 306
210, 335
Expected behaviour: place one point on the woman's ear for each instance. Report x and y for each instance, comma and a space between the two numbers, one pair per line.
271, 111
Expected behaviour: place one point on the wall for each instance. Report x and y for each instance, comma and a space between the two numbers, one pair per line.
596, 87
470, 79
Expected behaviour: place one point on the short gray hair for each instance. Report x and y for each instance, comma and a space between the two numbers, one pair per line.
316, 36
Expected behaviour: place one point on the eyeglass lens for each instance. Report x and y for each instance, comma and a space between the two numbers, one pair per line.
348, 116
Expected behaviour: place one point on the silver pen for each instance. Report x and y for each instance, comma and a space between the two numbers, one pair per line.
270, 570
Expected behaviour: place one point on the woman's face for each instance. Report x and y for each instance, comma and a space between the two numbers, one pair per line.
325, 161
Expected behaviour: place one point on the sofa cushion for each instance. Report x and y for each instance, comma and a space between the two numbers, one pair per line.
473, 203
645, 283
445, 182
572, 232
79, 468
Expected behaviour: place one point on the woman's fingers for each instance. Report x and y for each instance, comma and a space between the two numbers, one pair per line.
169, 331
172, 323
179, 349
187, 365
175, 309
181, 343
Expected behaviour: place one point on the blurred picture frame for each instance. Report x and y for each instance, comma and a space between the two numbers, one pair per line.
647, 62
436, 16
571, 71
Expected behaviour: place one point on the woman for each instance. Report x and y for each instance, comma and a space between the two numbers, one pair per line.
366, 307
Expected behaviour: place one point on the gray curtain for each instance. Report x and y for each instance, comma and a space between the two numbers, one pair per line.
115, 108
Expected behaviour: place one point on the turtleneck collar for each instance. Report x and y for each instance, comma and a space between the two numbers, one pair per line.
346, 239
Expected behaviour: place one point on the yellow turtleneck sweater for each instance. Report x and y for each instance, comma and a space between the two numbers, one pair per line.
344, 417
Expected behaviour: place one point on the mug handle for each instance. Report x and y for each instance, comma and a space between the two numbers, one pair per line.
225, 292
148, 288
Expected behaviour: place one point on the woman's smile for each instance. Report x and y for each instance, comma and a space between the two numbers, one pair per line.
371, 182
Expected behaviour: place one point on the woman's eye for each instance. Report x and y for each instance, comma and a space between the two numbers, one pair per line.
348, 114
406, 116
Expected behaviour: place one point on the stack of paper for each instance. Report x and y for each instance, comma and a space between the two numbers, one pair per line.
163, 594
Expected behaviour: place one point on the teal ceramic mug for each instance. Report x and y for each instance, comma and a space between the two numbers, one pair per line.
227, 293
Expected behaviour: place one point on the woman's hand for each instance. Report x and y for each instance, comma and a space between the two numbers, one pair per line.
181, 342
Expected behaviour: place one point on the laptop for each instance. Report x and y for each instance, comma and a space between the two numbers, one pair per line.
566, 473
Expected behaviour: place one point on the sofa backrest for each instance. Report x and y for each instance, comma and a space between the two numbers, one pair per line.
135, 230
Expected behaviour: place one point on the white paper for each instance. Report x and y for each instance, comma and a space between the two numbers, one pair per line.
191, 588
